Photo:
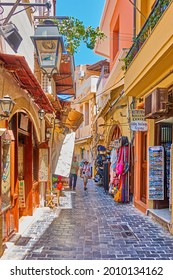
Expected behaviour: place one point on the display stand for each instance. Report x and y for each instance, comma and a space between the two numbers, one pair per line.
156, 173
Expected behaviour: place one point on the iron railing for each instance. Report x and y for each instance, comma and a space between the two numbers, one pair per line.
155, 15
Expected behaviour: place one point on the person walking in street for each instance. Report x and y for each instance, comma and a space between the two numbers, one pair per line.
85, 173
73, 173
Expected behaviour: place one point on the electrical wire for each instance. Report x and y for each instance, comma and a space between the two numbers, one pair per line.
112, 87
137, 9
15, 12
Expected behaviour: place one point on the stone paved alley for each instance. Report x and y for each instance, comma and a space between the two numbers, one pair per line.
91, 226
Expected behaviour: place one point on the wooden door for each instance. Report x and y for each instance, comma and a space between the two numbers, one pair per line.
143, 184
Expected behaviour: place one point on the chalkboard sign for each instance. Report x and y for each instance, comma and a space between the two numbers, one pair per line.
156, 173
43, 165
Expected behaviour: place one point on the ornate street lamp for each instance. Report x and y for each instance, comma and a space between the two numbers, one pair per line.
49, 47
7, 105
41, 114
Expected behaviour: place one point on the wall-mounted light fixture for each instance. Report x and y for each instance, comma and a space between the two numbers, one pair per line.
41, 114
11, 35
8, 30
7, 105
49, 46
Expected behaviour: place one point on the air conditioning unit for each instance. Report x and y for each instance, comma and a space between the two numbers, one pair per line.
160, 100
81, 74
156, 103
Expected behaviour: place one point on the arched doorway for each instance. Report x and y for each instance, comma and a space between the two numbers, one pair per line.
114, 133
26, 163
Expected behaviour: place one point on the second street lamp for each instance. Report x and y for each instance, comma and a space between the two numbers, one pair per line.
7, 105
49, 47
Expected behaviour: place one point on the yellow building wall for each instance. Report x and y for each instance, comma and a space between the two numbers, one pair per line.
152, 67
9, 87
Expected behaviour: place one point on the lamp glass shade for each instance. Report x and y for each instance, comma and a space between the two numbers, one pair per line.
49, 46
41, 114
7, 104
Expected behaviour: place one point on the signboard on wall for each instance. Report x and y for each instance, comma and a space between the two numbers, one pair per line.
43, 165
5, 180
139, 126
22, 202
24, 121
156, 173
138, 115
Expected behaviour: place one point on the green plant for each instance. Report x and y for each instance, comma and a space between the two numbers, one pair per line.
75, 33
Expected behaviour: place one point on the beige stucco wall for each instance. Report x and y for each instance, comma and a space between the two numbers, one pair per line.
8, 86
25, 29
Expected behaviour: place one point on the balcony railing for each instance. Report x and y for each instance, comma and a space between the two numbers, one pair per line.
155, 15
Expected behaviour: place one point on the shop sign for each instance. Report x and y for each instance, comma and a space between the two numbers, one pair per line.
156, 173
138, 115
139, 126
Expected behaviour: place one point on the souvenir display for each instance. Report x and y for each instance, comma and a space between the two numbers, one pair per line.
119, 167
156, 173
167, 148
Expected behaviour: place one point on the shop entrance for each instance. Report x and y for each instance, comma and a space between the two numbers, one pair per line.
164, 139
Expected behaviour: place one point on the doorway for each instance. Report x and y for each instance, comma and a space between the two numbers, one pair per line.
143, 182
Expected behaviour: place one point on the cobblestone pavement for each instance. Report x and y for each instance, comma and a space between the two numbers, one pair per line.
92, 226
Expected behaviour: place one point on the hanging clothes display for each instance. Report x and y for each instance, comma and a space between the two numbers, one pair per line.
113, 161
101, 157
119, 183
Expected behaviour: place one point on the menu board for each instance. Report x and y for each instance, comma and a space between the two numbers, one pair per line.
5, 179
43, 165
156, 173
22, 202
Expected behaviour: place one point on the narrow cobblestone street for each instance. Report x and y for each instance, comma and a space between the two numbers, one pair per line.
92, 226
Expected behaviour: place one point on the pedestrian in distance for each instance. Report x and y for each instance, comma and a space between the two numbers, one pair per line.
85, 173
73, 173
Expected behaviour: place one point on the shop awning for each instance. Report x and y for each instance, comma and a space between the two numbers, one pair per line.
64, 80
55, 103
23, 75
82, 140
73, 120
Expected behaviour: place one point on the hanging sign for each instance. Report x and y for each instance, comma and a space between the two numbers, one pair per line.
156, 173
138, 115
139, 126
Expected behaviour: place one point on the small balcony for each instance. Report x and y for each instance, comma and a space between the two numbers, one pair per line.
158, 10
153, 61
